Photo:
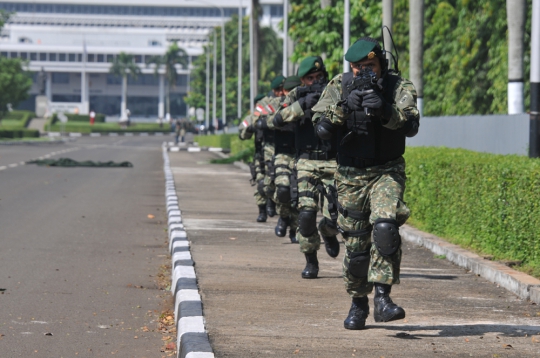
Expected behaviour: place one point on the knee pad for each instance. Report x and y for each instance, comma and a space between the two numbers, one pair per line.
328, 227
260, 187
386, 236
283, 194
307, 223
269, 191
359, 263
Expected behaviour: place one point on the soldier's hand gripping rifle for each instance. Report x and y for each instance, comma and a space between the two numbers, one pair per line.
365, 82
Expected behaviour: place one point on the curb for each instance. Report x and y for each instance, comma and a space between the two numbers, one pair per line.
192, 339
519, 283
111, 134
197, 149
524, 286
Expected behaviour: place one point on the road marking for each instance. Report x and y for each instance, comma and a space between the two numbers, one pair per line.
13, 165
203, 171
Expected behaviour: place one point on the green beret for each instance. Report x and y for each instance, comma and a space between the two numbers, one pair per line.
359, 50
309, 65
259, 97
291, 82
277, 82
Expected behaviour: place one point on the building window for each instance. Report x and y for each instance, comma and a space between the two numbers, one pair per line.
100, 58
138, 58
73, 98
43, 56
62, 57
154, 43
113, 80
60, 77
110, 58
25, 40
52, 57
3, 53
23, 55
72, 57
33, 56
13, 55
91, 57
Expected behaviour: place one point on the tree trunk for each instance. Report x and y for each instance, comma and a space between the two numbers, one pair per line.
515, 12
416, 48
256, 36
123, 114
168, 100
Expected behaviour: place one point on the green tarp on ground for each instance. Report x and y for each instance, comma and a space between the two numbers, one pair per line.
67, 162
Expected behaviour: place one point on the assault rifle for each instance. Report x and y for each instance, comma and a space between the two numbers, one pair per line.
317, 87
366, 82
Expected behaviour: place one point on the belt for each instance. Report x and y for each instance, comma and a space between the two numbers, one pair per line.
360, 162
316, 156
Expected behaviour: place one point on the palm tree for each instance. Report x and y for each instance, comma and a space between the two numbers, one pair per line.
124, 66
174, 56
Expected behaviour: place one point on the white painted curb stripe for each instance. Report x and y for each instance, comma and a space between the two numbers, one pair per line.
200, 355
184, 255
181, 272
185, 295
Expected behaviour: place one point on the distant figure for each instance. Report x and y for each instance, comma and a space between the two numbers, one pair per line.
177, 130
42, 82
160, 121
92, 117
128, 115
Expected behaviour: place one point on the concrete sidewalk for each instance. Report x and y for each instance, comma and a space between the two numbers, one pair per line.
256, 304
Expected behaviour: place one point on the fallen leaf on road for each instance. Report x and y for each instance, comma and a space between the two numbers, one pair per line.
466, 339
507, 346
296, 351
535, 339
170, 346
150, 216
232, 238
48, 334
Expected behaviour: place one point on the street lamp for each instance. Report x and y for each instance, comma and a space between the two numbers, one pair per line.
223, 84
240, 17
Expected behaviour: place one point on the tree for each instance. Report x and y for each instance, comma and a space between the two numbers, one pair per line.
174, 56
270, 66
124, 66
15, 83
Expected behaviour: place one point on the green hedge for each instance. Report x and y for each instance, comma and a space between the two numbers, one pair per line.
488, 203
100, 118
19, 133
16, 119
217, 140
240, 146
82, 127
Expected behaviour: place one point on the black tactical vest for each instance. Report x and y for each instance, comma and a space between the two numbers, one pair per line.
268, 134
307, 141
380, 144
284, 140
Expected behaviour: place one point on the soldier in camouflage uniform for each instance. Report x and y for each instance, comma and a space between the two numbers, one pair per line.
371, 124
283, 162
258, 171
315, 164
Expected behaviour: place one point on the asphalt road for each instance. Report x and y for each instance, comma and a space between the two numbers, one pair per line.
78, 253
257, 305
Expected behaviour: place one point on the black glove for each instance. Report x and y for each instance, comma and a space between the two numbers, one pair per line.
250, 129
261, 124
278, 121
307, 102
324, 129
354, 100
372, 100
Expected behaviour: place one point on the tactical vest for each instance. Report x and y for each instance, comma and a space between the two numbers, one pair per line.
268, 135
380, 144
307, 141
284, 141
258, 141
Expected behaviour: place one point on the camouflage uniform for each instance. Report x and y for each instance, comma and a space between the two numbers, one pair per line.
371, 193
284, 164
310, 173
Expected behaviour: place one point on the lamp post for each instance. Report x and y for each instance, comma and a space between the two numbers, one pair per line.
207, 113
223, 84
239, 93
346, 33
285, 37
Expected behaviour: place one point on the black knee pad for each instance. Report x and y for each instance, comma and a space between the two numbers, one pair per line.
386, 236
307, 223
260, 187
269, 192
328, 227
359, 263
283, 194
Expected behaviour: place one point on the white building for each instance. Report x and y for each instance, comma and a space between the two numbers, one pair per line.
54, 35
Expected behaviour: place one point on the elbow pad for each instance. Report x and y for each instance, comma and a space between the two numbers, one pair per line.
324, 129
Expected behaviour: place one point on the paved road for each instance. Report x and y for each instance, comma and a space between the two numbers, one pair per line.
78, 253
256, 304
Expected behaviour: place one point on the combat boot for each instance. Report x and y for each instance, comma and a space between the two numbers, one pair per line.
312, 267
271, 208
357, 314
384, 309
292, 236
331, 244
262, 214
281, 227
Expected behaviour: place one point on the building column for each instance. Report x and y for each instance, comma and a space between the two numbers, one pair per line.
84, 94
48, 86
161, 102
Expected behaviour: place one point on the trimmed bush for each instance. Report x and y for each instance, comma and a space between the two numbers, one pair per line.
488, 203
217, 140
81, 127
16, 119
100, 118
19, 133
240, 146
